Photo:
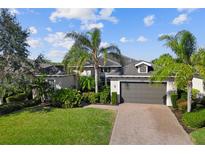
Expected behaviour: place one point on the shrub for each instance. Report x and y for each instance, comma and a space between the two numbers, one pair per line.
195, 93
182, 104
183, 95
194, 119
114, 98
203, 101
87, 83
8, 108
174, 98
86, 97
16, 98
105, 95
68, 98
93, 98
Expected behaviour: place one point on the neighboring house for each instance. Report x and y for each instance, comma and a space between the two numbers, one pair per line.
109, 67
199, 84
57, 77
134, 85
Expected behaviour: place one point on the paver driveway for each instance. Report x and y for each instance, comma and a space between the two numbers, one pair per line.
147, 124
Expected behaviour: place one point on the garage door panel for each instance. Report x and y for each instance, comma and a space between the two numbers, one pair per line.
143, 93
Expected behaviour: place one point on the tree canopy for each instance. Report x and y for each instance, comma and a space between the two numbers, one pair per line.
189, 61
88, 46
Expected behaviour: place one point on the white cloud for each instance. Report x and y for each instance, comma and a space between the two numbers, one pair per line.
106, 14
149, 20
142, 39
49, 29
104, 44
171, 33
33, 30
56, 53
182, 18
89, 26
14, 11
84, 14
58, 40
34, 43
72, 13
124, 40
186, 10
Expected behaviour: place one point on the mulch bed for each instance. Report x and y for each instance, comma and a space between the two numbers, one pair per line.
178, 115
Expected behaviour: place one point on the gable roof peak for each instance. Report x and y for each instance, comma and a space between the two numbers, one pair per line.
143, 62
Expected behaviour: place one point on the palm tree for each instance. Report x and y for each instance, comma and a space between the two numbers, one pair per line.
187, 63
90, 43
74, 60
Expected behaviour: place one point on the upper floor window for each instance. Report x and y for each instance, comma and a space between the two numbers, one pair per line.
143, 67
106, 69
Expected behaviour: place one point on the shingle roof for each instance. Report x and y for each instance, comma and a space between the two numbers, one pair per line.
109, 63
131, 69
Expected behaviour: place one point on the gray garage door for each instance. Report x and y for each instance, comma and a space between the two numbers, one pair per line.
132, 92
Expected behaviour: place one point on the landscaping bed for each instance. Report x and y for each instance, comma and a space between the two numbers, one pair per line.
198, 136
179, 115
193, 123
45, 125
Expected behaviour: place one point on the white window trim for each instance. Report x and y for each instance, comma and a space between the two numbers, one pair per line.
138, 69
143, 62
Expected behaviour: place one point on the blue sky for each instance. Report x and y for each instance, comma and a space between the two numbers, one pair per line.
134, 31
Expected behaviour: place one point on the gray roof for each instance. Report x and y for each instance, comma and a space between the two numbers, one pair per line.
131, 69
109, 63
51, 69
125, 60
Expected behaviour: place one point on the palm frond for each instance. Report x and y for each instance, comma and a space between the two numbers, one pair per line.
200, 70
80, 39
95, 38
112, 50
166, 37
75, 59
198, 58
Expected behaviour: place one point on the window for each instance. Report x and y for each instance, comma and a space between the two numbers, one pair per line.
105, 69
142, 68
51, 82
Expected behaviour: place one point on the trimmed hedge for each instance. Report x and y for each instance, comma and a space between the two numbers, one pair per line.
194, 119
105, 95
8, 108
114, 98
174, 98
16, 98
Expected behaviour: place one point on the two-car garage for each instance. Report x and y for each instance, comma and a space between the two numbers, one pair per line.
142, 92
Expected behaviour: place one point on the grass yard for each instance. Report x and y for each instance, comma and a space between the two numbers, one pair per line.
198, 136
57, 126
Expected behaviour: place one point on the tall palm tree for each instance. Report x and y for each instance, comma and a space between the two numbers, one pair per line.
74, 61
184, 66
90, 42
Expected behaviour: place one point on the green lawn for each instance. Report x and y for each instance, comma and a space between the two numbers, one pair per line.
198, 136
57, 126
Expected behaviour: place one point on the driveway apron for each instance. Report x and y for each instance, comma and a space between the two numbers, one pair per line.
147, 124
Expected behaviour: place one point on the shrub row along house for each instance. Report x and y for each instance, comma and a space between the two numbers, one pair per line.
130, 80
